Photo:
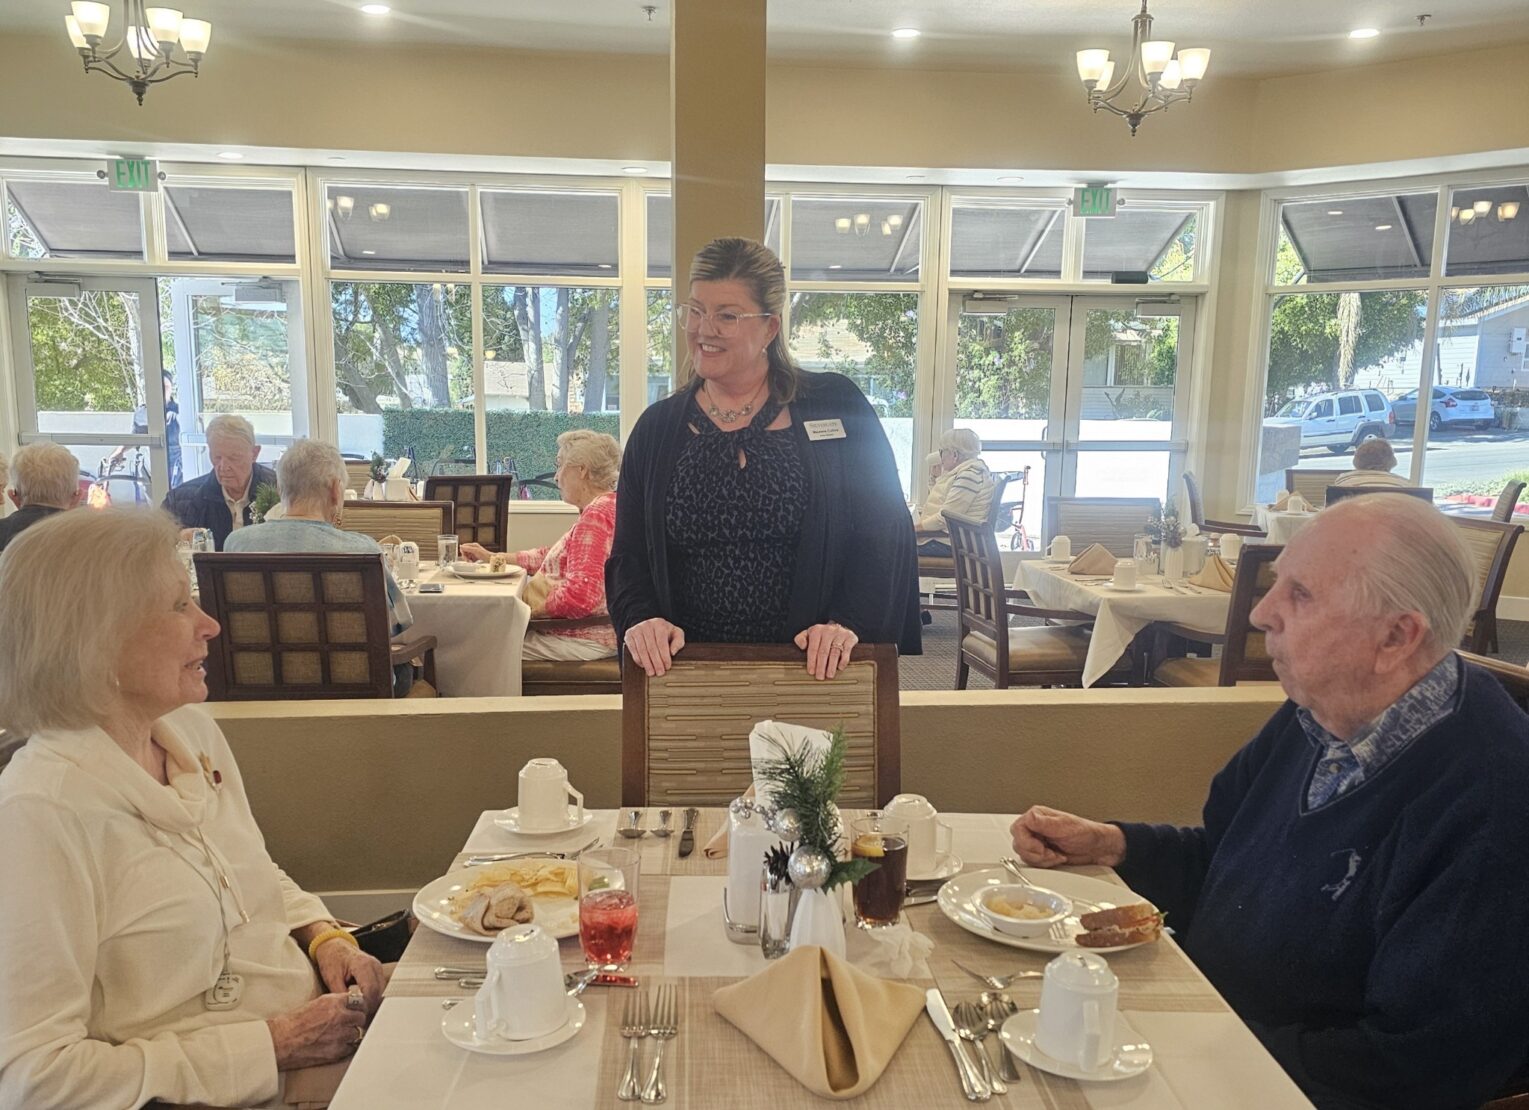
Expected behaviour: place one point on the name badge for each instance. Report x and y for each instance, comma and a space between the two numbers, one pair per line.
824, 429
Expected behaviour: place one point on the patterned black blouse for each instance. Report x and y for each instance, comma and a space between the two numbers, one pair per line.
733, 529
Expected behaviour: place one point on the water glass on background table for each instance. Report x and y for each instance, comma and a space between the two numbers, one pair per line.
1142, 553
883, 839
445, 550
608, 907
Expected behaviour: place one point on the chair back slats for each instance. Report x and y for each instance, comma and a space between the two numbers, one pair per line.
1111, 521
1194, 504
1244, 656
995, 505
482, 506
1491, 546
685, 734
358, 472
1338, 493
420, 521
980, 589
1514, 678
1507, 501
295, 626
1311, 484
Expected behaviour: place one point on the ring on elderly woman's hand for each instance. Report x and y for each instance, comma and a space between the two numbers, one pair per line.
354, 998
360, 1034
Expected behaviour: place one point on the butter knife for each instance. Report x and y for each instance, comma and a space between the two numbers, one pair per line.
971, 1079
687, 838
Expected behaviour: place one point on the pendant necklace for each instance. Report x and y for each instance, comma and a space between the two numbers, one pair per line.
730, 416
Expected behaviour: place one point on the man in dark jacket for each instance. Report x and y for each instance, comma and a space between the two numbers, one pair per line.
220, 500
44, 481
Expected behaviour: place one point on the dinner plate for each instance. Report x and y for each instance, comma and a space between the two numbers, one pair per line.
1132, 1055
944, 867
509, 821
461, 1028
486, 574
1122, 589
432, 905
955, 901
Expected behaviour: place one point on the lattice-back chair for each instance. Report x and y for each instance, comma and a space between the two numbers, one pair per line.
1196, 507
685, 734
483, 506
420, 521
1491, 544
1311, 484
1339, 493
358, 472
1514, 678
944, 566
300, 626
1111, 521
1035, 656
1507, 501
1244, 658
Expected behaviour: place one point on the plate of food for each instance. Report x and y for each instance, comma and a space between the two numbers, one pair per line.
477, 903
1104, 917
494, 569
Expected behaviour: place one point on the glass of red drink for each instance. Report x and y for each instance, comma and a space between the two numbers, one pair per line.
608, 907
883, 839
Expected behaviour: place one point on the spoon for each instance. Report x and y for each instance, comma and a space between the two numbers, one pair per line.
664, 827
633, 827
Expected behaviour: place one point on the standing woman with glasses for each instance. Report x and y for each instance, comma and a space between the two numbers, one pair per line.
759, 503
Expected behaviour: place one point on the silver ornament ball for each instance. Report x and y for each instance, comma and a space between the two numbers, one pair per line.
809, 867
787, 824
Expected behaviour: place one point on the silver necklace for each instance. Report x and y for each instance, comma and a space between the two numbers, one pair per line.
728, 416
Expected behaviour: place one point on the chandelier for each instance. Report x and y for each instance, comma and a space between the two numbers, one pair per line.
145, 54
1154, 77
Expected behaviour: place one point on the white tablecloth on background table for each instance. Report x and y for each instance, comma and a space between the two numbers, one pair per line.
479, 628
1279, 524
1119, 616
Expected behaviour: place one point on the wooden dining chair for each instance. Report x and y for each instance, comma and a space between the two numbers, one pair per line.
358, 472
1507, 502
482, 506
1041, 655
1491, 545
1111, 521
1196, 507
1244, 657
1514, 678
554, 677
944, 566
302, 626
420, 521
1311, 484
1339, 493
685, 734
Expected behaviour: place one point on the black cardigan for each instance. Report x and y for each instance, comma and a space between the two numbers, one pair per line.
855, 563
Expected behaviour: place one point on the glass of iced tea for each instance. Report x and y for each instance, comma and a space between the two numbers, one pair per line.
608, 907
879, 896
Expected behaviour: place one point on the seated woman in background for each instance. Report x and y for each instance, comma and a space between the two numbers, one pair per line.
1373, 462
153, 949
568, 578
311, 478
965, 488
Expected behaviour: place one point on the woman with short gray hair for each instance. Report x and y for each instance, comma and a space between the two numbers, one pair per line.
966, 488
47, 482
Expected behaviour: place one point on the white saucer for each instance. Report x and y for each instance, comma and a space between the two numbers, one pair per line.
1058, 560
1132, 1055
461, 1028
509, 820
945, 866
1136, 589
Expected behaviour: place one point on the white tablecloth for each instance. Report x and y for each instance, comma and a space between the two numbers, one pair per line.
479, 628
1279, 524
1119, 616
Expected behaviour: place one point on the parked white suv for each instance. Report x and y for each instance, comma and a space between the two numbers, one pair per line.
1338, 421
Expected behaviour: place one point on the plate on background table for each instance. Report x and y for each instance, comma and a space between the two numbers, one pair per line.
509, 821
956, 898
1136, 589
436, 903
461, 1028
473, 572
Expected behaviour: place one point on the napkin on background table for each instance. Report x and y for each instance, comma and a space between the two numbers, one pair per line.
1095, 559
1297, 504
1215, 575
794, 738
1281, 500
830, 1025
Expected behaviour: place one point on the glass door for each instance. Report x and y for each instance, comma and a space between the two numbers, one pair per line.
89, 376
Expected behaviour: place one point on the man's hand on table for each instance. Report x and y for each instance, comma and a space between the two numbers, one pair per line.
1046, 837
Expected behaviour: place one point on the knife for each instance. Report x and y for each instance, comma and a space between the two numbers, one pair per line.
687, 838
971, 1079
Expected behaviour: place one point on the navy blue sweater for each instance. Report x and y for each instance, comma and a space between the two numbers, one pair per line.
1375, 944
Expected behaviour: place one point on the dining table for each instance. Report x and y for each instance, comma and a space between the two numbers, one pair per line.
1203, 1055
1280, 524
479, 627
1119, 615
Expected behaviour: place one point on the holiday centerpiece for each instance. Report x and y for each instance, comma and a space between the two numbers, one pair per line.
1167, 531
266, 498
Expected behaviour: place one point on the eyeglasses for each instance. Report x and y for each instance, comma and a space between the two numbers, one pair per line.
723, 324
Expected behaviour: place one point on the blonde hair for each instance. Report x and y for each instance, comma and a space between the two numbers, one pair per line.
46, 474
306, 470
230, 426
68, 611
599, 454
757, 267
1374, 454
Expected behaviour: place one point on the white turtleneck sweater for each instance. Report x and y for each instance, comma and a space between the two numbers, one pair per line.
109, 934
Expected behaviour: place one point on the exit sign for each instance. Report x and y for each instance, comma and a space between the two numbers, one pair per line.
133, 175
1094, 200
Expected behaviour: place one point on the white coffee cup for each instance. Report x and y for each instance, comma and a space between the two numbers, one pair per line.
407, 561
1125, 574
925, 833
1061, 547
1195, 549
1079, 997
1231, 546
544, 796
522, 994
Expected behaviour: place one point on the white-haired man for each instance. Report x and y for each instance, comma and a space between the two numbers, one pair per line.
965, 488
220, 499
46, 481
1352, 888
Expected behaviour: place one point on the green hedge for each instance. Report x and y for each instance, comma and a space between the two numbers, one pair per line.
530, 438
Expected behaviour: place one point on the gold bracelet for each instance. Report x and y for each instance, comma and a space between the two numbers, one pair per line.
332, 933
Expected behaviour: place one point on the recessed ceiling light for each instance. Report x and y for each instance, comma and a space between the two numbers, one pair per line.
606, 266
1363, 33
1335, 211
835, 266
906, 33
1011, 178
1382, 227
368, 252
375, 9
230, 155
634, 169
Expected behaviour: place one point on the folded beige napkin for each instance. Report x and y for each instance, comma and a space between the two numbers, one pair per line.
1297, 504
1095, 559
1215, 575
1282, 499
830, 1025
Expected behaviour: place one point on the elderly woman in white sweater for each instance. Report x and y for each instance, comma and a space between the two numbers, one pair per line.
149, 947
966, 488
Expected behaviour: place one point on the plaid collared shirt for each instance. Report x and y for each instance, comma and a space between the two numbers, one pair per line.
1346, 765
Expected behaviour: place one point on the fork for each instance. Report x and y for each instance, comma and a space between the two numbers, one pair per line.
969, 1020
665, 1025
634, 1027
997, 982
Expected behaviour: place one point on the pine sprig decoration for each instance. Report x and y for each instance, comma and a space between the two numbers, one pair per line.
809, 783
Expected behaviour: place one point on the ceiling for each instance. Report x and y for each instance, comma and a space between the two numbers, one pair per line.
1251, 38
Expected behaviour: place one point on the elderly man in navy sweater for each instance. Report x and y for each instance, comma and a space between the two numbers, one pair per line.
1357, 887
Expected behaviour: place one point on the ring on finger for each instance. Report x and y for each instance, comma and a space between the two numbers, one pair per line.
360, 1034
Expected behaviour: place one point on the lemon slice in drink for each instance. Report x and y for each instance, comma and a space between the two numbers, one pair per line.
869, 846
